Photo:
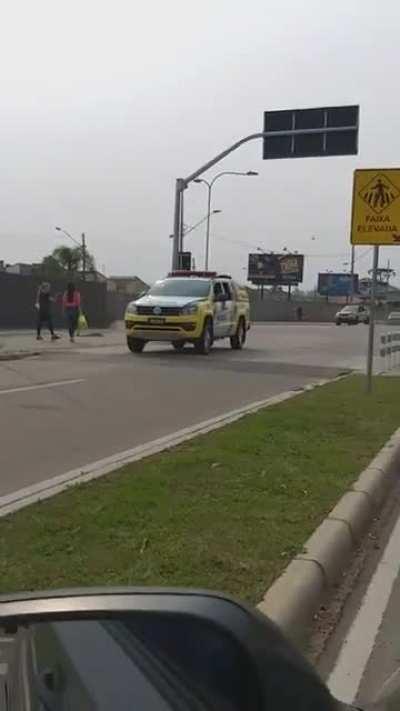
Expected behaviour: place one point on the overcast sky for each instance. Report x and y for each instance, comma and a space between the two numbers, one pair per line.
104, 104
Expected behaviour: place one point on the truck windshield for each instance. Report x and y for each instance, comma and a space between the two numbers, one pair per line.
181, 287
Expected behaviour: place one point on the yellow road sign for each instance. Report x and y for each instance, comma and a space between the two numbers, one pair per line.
376, 207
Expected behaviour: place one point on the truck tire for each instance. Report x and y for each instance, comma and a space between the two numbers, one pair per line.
204, 343
239, 339
135, 345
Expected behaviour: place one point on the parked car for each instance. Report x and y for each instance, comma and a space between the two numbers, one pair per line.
352, 314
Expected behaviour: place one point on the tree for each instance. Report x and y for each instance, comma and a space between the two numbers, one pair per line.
67, 259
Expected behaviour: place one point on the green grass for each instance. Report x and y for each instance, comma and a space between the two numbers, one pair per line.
227, 510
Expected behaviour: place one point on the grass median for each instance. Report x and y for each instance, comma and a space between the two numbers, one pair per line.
227, 510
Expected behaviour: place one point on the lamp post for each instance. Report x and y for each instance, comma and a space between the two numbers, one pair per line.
209, 185
82, 246
200, 222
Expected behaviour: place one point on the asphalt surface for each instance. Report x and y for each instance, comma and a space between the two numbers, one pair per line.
364, 649
78, 403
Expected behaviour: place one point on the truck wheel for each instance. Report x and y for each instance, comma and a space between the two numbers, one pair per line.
178, 345
239, 339
135, 344
338, 323
204, 343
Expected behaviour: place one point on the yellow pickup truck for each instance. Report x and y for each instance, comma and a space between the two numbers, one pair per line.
189, 307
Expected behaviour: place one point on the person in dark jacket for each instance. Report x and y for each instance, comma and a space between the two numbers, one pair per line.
44, 307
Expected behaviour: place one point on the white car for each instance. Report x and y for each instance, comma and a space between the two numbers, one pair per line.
352, 314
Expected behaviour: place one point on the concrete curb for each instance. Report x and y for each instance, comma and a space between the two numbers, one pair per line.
294, 597
17, 355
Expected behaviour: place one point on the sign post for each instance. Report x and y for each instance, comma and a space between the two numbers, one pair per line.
371, 333
375, 220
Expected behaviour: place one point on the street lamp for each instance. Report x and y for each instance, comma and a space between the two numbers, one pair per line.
82, 246
200, 222
187, 229
209, 185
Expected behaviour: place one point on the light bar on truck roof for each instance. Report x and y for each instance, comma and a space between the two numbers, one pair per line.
183, 273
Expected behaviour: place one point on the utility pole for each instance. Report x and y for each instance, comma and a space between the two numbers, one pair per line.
371, 334
83, 256
353, 254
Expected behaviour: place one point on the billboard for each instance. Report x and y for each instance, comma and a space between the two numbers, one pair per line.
274, 269
337, 284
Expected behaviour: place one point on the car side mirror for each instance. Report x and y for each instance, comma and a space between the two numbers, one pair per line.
162, 649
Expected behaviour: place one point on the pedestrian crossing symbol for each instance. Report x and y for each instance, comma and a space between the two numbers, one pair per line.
376, 207
379, 193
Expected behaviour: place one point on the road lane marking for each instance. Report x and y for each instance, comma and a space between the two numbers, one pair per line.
27, 388
93, 470
358, 645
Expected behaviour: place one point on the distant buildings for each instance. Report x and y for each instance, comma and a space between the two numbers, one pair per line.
20, 268
130, 286
124, 286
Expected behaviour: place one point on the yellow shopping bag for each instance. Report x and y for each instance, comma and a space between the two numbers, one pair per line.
82, 322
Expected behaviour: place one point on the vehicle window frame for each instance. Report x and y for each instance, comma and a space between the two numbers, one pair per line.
221, 289
227, 289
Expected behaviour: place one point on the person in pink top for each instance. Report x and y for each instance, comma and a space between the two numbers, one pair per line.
71, 306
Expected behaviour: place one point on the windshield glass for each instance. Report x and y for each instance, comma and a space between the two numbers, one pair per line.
181, 287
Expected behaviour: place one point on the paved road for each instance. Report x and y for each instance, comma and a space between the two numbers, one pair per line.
77, 404
364, 650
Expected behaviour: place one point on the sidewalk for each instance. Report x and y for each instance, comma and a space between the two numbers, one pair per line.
21, 344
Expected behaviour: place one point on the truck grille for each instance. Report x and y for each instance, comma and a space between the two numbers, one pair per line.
165, 311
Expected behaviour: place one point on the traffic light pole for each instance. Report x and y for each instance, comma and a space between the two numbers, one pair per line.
182, 183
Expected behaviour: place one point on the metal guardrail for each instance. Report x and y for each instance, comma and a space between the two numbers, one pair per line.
390, 349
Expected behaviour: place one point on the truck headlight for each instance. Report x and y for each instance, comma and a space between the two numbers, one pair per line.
190, 309
131, 308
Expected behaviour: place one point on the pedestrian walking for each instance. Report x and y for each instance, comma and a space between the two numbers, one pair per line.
44, 308
71, 306
299, 313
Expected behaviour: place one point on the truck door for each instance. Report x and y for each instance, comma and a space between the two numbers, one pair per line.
220, 312
230, 309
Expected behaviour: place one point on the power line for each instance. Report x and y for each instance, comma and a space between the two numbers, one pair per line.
252, 246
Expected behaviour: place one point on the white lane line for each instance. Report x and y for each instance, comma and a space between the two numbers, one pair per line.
27, 388
357, 647
93, 470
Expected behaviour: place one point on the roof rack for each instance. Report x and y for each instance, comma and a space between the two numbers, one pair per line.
224, 276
